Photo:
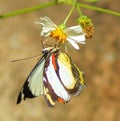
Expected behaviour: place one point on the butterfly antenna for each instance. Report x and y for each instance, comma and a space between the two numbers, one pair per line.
42, 43
26, 58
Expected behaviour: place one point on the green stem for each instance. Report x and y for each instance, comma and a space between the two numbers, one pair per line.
66, 19
97, 9
26, 10
79, 10
38, 7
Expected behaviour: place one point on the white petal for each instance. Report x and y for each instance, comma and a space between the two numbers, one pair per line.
76, 34
47, 25
78, 39
45, 21
45, 31
75, 45
74, 31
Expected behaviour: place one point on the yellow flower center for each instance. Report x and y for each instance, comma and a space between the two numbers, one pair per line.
58, 35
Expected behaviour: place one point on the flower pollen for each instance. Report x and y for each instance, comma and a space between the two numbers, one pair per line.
58, 35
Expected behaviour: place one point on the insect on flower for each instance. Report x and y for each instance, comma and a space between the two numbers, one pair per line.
55, 76
60, 34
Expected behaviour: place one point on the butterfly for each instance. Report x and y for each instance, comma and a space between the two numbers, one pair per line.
55, 76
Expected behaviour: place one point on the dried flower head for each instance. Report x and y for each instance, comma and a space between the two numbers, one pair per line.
87, 25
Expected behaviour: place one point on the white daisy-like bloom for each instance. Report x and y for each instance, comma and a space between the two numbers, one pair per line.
60, 34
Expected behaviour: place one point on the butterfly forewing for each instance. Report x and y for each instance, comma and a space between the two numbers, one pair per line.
36, 79
55, 88
33, 85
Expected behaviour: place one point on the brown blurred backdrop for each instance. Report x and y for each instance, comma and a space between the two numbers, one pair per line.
99, 58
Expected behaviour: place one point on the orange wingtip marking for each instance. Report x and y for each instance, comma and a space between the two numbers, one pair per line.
60, 100
53, 61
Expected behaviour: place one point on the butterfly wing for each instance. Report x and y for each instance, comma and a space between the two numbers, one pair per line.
33, 85
69, 74
53, 88
55, 76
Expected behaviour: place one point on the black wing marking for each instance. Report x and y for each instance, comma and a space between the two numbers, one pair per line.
26, 92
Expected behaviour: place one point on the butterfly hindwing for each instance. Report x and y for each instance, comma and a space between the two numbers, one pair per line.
79, 76
69, 74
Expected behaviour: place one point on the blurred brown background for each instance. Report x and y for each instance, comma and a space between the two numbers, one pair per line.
99, 58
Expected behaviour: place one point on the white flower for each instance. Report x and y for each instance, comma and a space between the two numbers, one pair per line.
60, 34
